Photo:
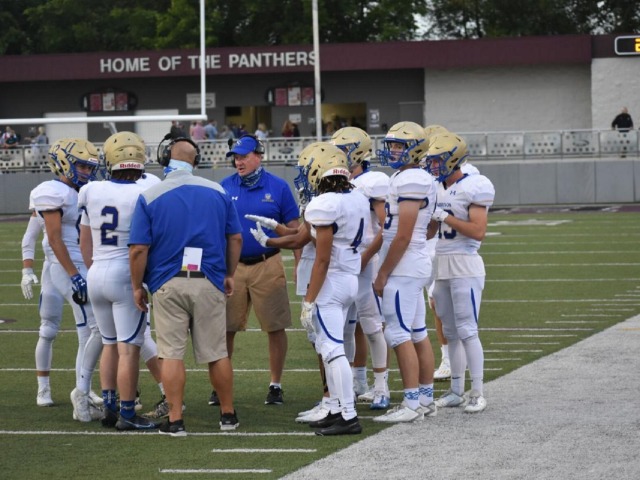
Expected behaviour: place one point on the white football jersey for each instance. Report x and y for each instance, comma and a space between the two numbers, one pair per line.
469, 190
148, 180
469, 169
374, 186
107, 208
54, 195
350, 217
410, 184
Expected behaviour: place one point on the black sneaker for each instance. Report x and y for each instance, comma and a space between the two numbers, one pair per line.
229, 421
341, 427
175, 429
110, 418
214, 400
326, 421
135, 423
274, 397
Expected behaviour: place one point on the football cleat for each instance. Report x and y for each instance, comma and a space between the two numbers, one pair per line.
367, 397
443, 372
95, 399
429, 410
400, 414
80, 402
450, 399
380, 401
43, 399
341, 427
315, 415
476, 403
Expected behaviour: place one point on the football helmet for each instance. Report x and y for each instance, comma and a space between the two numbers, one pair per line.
54, 150
304, 159
123, 151
355, 142
65, 159
447, 152
432, 130
320, 160
411, 137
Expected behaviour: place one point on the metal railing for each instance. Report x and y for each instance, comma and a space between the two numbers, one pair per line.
482, 146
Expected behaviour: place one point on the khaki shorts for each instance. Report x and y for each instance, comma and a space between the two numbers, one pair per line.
263, 286
184, 306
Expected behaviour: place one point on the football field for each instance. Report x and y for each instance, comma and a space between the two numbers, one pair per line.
554, 277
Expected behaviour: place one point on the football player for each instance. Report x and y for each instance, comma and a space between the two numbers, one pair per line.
104, 235
356, 143
462, 207
51, 302
405, 269
74, 162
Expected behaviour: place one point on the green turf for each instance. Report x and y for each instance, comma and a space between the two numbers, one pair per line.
552, 280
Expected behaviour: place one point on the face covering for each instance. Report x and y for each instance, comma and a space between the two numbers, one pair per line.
253, 178
177, 165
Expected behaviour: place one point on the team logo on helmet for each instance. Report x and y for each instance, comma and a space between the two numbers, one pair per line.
124, 151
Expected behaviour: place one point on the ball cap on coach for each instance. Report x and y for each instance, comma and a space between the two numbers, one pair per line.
243, 146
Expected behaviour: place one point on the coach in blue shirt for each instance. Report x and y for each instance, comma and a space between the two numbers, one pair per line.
260, 280
185, 243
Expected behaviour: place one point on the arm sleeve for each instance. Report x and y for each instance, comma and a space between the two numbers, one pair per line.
30, 238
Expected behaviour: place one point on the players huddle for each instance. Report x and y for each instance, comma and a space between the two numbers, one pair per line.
366, 260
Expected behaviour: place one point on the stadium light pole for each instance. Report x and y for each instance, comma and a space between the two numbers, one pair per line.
316, 68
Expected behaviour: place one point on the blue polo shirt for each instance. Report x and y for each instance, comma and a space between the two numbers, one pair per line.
270, 197
184, 211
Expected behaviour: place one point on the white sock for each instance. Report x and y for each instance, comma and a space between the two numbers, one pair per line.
342, 382
360, 374
43, 382
378, 348
445, 353
161, 387
380, 381
458, 361
475, 359
426, 394
91, 354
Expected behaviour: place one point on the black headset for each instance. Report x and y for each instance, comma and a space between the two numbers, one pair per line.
164, 151
259, 148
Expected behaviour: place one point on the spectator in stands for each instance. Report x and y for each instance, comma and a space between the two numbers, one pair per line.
623, 121
261, 132
226, 133
38, 142
9, 138
198, 133
287, 129
177, 130
211, 130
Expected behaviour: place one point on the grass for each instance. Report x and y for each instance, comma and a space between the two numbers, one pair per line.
553, 279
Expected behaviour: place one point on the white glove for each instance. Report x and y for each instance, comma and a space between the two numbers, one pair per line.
28, 279
268, 223
259, 235
439, 215
306, 316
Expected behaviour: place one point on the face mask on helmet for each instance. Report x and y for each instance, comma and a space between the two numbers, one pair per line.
301, 183
78, 161
447, 152
323, 160
404, 144
355, 143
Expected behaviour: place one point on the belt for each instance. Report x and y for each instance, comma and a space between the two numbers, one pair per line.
189, 274
258, 258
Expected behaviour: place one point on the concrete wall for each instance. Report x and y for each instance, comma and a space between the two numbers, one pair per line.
517, 182
509, 99
615, 83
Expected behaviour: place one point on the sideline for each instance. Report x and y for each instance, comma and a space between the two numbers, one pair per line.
571, 415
